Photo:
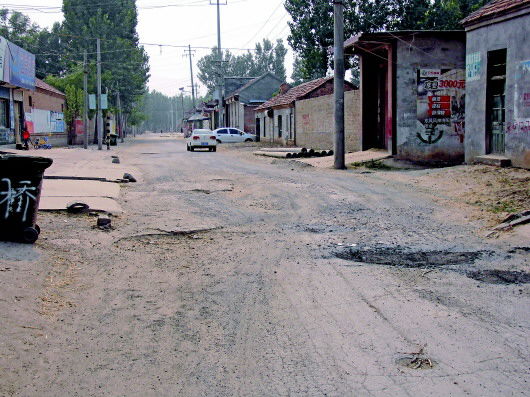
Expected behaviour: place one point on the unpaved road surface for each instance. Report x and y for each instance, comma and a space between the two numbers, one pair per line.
237, 276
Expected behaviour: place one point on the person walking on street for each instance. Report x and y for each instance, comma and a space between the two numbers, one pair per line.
25, 136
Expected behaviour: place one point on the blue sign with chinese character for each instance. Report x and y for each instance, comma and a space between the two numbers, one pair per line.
22, 71
17, 66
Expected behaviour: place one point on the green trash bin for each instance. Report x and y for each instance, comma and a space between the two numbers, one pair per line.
20, 188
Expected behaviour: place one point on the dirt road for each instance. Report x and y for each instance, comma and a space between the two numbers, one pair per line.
237, 276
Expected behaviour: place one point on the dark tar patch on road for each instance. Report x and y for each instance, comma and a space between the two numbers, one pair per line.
500, 276
398, 256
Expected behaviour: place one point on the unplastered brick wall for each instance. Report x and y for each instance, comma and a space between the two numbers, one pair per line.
315, 122
44, 100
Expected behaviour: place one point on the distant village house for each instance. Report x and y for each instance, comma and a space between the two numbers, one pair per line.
296, 117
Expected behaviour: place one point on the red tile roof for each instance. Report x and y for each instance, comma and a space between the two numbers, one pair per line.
293, 94
46, 87
495, 8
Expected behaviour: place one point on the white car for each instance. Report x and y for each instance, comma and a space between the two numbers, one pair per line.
233, 135
201, 139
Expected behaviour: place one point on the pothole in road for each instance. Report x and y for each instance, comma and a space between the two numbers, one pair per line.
413, 361
417, 360
500, 276
398, 256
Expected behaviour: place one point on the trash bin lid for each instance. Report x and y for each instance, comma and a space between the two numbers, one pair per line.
11, 162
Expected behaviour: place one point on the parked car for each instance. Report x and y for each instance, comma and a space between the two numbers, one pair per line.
201, 139
233, 135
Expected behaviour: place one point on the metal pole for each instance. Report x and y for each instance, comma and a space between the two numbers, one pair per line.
338, 12
85, 107
191, 73
221, 77
100, 111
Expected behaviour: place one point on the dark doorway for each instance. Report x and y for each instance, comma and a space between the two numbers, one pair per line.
495, 102
377, 100
258, 131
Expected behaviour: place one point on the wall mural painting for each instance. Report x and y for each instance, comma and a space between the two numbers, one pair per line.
521, 123
440, 104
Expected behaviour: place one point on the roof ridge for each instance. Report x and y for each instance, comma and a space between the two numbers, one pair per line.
493, 9
251, 82
294, 93
47, 87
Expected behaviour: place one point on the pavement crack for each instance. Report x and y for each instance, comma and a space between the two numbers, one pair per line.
165, 233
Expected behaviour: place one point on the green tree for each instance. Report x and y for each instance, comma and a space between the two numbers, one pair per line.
266, 58
447, 14
269, 58
74, 105
45, 44
124, 62
158, 109
312, 24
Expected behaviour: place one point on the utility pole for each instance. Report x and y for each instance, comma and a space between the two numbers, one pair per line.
85, 105
220, 73
182, 104
172, 115
190, 53
338, 55
100, 111
119, 118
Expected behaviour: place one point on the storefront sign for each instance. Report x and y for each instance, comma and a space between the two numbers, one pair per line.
17, 66
440, 104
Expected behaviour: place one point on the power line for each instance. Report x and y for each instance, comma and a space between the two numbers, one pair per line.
266, 22
58, 9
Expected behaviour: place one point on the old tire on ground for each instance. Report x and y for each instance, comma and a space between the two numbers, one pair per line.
37, 228
30, 235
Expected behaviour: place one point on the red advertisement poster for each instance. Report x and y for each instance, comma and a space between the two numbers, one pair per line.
440, 104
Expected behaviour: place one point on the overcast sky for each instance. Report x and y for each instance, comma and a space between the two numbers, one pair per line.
183, 22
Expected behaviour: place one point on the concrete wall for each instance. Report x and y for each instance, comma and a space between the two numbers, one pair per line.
513, 35
315, 123
425, 52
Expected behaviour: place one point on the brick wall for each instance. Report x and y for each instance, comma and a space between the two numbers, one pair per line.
43, 100
327, 89
315, 122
